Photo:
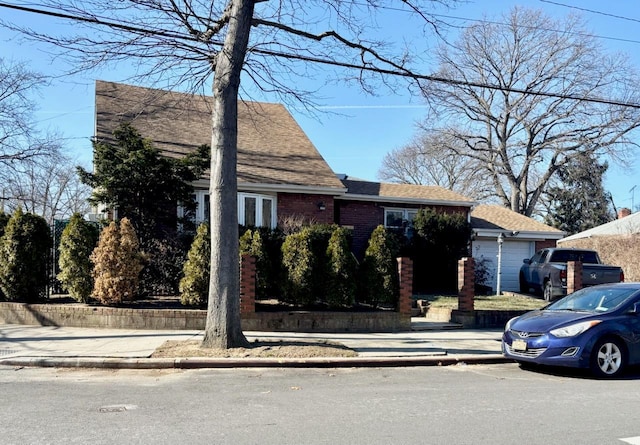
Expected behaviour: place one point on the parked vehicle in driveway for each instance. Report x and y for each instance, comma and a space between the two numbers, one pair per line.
596, 327
546, 271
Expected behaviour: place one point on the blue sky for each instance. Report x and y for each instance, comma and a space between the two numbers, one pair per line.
353, 131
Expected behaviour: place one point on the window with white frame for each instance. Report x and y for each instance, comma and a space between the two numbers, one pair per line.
399, 218
253, 209
257, 210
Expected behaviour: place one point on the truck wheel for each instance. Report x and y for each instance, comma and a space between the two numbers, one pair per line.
524, 286
547, 293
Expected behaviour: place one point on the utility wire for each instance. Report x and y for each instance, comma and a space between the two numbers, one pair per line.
592, 11
299, 57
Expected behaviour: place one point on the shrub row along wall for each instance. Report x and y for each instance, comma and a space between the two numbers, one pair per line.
80, 315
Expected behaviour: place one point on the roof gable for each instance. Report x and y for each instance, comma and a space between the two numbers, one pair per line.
272, 148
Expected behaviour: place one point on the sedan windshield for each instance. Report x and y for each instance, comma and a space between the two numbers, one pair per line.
593, 299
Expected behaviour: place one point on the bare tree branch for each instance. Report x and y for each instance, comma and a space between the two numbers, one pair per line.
524, 138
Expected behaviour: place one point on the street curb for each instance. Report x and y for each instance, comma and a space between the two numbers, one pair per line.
221, 363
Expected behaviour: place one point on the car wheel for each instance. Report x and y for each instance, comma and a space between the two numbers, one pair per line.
524, 286
547, 292
608, 357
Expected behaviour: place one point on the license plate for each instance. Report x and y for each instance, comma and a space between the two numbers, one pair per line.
519, 345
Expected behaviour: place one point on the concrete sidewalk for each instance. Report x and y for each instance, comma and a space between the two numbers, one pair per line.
428, 344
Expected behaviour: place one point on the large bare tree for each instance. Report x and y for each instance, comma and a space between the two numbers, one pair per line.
430, 159
20, 142
523, 138
268, 43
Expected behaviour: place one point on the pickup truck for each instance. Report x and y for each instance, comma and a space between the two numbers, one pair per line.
546, 271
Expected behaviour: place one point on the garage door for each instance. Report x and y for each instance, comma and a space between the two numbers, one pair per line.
513, 252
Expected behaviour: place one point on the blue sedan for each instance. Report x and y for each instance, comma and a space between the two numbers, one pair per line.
596, 327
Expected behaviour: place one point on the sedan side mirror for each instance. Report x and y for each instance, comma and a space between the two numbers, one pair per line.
526, 261
635, 309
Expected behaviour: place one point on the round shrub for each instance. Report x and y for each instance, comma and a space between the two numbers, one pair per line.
24, 252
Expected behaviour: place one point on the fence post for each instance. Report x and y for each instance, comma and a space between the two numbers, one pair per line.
405, 275
574, 276
247, 284
466, 284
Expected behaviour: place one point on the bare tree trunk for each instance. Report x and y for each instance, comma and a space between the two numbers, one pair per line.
223, 328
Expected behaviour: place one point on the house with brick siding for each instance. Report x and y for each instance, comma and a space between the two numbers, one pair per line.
280, 173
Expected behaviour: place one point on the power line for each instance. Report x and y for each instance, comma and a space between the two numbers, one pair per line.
299, 57
592, 11
493, 22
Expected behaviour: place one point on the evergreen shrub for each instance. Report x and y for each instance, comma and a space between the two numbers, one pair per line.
77, 242
439, 241
341, 270
299, 263
194, 286
117, 264
25, 248
379, 273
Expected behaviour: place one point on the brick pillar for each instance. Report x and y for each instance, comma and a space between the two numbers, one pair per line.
405, 274
466, 284
574, 276
247, 284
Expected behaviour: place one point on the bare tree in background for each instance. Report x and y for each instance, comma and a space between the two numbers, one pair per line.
430, 159
49, 187
20, 142
522, 138
268, 43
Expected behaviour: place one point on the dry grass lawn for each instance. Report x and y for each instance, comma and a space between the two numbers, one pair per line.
493, 302
258, 349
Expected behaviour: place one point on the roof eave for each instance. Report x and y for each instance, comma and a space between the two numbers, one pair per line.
402, 200
521, 235
291, 188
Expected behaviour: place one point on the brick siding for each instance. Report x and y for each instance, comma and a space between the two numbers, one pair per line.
306, 206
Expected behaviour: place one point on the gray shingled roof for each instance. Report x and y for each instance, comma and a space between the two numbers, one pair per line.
623, 226
272, 148
494, 217
429, 194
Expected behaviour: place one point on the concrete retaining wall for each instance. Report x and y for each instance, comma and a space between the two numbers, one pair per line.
79, 315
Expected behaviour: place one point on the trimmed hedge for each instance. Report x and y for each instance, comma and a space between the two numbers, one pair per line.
77, 242
25, 247
379, 274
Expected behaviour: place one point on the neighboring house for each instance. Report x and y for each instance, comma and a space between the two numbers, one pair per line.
617, 242
522, 237
281, 174
626, 224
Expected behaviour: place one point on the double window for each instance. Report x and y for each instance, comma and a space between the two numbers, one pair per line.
399, 218
256, 210
253, 209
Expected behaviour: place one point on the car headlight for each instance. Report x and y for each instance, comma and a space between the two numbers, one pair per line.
574, 329
508, 325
